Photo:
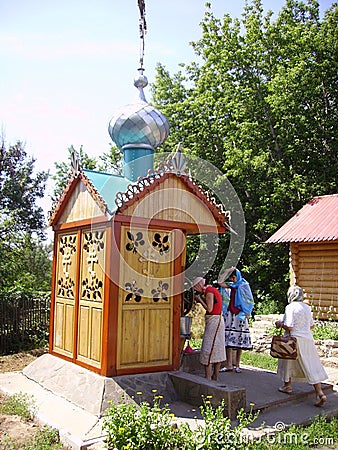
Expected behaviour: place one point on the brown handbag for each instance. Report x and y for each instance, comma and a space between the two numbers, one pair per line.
284, 347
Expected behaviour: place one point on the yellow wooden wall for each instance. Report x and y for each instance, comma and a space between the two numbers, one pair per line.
172, 200
79, 294
80, 206
145, 333
314, 267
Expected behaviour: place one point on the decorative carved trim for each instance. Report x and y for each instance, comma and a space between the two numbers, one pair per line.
93, 244
65, 283
56, 206
144, 185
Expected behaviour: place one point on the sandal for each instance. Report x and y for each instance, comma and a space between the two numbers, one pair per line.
225, 369
321, 399
237, 370
285, 389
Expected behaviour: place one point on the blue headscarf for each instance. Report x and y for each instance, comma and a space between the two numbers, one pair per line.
243, 297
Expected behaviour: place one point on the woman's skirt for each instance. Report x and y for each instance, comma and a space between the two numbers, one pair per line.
237, 333
213, 349
307, 367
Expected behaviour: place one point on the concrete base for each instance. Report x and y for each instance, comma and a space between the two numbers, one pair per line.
193, 389
93, 392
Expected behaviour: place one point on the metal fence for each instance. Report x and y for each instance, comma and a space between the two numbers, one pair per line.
24, 321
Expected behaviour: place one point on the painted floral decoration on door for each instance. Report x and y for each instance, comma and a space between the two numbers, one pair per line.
161, 243
160, 292
67, 247
135, 241
134, 292
93, 244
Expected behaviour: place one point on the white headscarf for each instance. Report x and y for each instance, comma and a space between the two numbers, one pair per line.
295, 294
198, 280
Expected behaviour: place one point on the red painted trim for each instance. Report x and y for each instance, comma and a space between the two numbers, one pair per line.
105, 350
179, 266
138, 370
171, 224
100, 220
78, 363
52, 303
59, 207
114, 297
77, 295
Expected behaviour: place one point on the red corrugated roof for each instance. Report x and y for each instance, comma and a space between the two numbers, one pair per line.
316, 221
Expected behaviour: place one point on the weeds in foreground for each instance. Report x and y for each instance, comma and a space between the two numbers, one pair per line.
322, 433
152, 427
45, 438
20, 405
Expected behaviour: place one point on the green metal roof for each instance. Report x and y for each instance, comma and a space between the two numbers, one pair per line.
107, 185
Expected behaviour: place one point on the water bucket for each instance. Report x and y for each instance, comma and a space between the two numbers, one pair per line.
186, 325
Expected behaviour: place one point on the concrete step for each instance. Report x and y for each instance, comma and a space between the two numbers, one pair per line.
297, 411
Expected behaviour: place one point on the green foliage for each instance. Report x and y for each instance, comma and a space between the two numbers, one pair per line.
63, 170
261, 360
25, 264
107, 162
147, 427
19, 405
19, 190
151, 427
321, 433
261, 106
24, 259
24, 321
266, 305
45, 438
325, 330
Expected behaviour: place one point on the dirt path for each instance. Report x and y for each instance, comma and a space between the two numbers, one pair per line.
14, 428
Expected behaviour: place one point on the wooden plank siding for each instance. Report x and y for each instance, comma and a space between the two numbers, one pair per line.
172, 201
146, 302
80, 206
314, 267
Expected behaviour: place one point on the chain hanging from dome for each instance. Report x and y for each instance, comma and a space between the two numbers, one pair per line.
143, 30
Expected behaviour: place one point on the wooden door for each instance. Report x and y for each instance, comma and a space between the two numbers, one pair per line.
65, 293
79, 295
91, 296
145, 324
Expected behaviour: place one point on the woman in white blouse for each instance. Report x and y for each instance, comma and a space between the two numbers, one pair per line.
298, 322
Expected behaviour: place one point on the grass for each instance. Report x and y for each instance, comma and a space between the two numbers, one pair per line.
18, 405
45, 438
260, 360
249, 358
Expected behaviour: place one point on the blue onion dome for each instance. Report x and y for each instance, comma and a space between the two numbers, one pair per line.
139, 124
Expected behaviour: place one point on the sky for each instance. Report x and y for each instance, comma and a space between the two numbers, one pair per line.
67, 65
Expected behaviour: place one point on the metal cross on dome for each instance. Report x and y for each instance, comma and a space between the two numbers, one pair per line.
143, 29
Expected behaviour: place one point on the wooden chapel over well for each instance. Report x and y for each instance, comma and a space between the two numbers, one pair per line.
119, 252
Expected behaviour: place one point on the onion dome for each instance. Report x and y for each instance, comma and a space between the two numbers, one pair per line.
139, 124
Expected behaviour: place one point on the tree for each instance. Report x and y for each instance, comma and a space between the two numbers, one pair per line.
25, 264
108, 162
261, 106
19, 190
24, 259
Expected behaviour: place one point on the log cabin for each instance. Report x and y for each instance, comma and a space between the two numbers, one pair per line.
312, 234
